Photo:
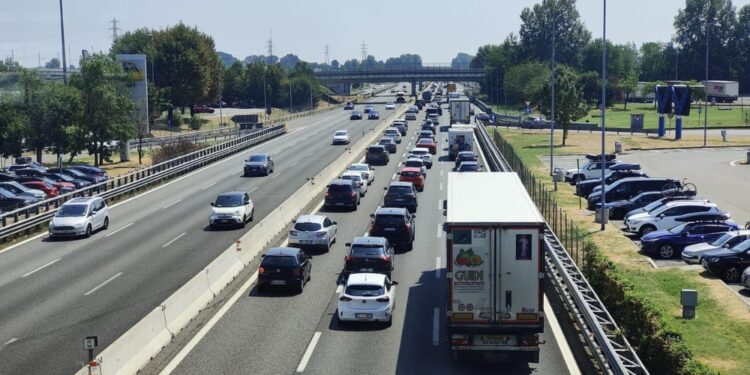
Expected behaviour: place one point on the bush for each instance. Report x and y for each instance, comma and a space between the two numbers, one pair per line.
167, 152
196, 122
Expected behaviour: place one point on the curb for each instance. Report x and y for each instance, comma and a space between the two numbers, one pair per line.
687, 148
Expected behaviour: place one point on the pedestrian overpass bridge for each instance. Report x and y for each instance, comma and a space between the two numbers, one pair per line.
343, 78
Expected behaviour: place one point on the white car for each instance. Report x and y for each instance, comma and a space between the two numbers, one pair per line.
357, 177
313, 231
692, 254
401, 120
367, 297
592, 168
79, 217
424, 154
390, 106
367, 172
341, 137
234, 208
393, 133
411, 116
663, 218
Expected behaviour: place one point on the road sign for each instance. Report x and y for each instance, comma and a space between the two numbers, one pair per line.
90, 342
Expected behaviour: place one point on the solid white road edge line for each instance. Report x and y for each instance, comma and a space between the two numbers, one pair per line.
562, 343
103, 284
40, 268
440, 230
308, 352
441, 186
438, 267
209, 325
209, 185
436, 327
173, 240
171, 204
115, 232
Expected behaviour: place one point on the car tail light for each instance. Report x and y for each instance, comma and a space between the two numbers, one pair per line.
296, 271
373, 228
344, 299
386, 258
353, 194
408, 227
348, 258
530, 340
321, 234
460, 341
261, 270
328, 194
383, 299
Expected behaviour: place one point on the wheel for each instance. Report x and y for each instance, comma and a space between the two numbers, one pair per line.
646, 229
252, 215
88, 231
389, 322
301, 286
666, 251
105, 226
260, 288
732, 274
244, 220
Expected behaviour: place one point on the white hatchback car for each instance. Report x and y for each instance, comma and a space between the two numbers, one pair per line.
393, 133
390, 106
424, 154
663, 217
231, 209
341, 137
367, 172
367, 297
313, 231
357, 177
79, 217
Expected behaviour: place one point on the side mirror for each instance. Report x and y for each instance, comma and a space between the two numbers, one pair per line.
372, 215
348, 244
394, 282
726, 246
335, 223
212, 204
661, 215
414, 216
262, 255
385, 188
398, 173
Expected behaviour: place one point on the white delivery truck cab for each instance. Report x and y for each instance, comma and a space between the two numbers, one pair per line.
460, 138
494, 268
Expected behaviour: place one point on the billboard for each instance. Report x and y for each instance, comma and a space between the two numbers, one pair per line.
135, 71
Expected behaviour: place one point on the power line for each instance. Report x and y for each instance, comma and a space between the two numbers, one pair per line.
114, 29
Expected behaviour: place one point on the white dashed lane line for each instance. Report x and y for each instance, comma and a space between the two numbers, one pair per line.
35, 270
173, 240
117, 231
103, 284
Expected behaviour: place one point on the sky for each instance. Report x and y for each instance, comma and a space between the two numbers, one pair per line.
436, 30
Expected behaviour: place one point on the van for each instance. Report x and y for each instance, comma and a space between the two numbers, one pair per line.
629, 187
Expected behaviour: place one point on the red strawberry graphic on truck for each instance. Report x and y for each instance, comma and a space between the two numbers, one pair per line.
467, 258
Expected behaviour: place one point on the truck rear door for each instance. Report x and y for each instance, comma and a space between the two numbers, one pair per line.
470, 282
518, 292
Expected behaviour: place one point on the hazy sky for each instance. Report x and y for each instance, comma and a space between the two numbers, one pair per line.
436, 29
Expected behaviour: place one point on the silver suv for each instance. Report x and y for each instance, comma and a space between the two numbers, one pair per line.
79, 217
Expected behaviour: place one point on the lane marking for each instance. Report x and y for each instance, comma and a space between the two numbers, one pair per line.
171, 204
8, 343
252, 190
438, 267
440, 204
436, 327
441, 173
403, 155
293, 163
103, 284
440, 230
441, 186
735, 162
562, 343
209, 185
117, 231
40, 268
308, 352
206, 328
173, 240
275, 174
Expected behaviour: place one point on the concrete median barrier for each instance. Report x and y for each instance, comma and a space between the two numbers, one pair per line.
222, 270
187, 302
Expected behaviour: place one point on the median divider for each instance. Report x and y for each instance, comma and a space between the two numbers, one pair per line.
132, 351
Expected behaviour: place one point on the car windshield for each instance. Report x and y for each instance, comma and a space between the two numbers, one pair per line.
364, 290
279, 261
375, 149
399, 190
743, 246
307, 227
419, 152
72, 210
389, 220
358, 168
653, 205
354, 177
414, 163
425, 141
6, 194
469, 167
64, 177
367, 249
722, 240
16, 185
342, 132
256, 158
340, 188
234, 200
385, 141
678, 229
411, 174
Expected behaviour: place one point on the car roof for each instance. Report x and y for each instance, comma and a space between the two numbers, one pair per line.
369, 241
390, 211
415, 158
377, 145
340, 181
420, 149
469, 162
366, 279
400, 183
310, 219
282, 251
352, 173
341, 131
81, 200
360, 164
465, 153
411, 169
232, 193
259, 154
689, 203
428, 140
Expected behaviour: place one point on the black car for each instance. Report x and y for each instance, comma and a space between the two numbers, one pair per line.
618, 172
401, 194
368, 108
8, 176
728, 263
348, 106
401, 128
429, 126
60, 177
356, 115
10, 201
258, 164
285, 267
369, 254
342, 193
618, 209
377, 154
95, 171
464, 156
373, 115
395, 224
629, 187
389, 144
76, 174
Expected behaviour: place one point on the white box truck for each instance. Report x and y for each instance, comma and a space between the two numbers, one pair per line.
460, 138
460, 110
722, 91
494, 268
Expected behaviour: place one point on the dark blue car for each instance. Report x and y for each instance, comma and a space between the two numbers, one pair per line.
666, 244
618, 209
619, 171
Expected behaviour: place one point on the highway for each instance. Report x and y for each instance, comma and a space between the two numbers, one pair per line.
284, 333
54, 293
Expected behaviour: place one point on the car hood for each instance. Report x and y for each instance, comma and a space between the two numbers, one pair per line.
225, 210
72, 221
639, 216
700, 248
657, 235
719, 253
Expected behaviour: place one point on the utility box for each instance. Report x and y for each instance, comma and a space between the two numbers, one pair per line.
636, 121
689, 300
618, 147
558, 175
602, 215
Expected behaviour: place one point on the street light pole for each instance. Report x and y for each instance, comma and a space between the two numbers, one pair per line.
552, 112
290, 98
62, 36
602, 219
705, 84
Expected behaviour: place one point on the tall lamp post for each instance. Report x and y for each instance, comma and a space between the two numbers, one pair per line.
552, 107
602, 209
62, 35
705, 83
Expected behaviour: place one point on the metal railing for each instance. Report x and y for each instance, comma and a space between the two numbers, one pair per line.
38, 213
611, 350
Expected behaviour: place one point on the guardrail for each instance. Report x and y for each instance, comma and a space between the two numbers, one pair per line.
610, 348
44, 210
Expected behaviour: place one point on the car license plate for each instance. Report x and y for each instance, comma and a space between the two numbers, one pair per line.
365, 270
339, 203
305, 241
496, 340
390, 229
278, 282
363, 316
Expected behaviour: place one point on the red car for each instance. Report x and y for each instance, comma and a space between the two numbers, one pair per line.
428, 144
413, 175
202, 109
48, 189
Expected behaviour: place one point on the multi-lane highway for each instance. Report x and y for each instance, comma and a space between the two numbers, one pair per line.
284, 333
54, 293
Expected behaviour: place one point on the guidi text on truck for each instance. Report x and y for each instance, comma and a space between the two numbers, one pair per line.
494, 250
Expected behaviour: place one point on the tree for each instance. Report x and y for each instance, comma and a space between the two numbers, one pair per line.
558, 17
690, 26
462, 60
107, 109
335, 64
54, 63
568, 103
628, 86
525, 81
289, 61
59, 108
226, 59
9, 65
13, 128
742, 62
235, 80
653, 65
622, 63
